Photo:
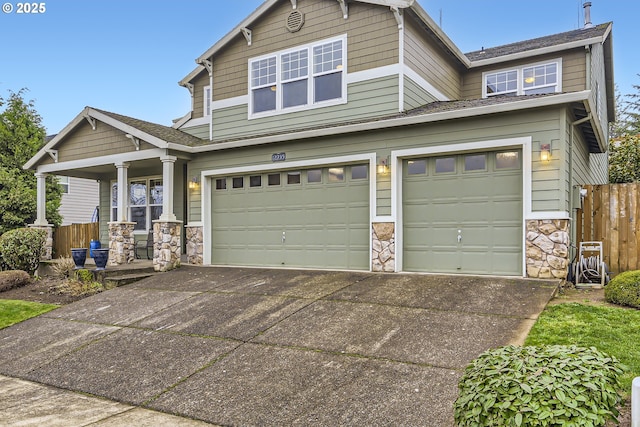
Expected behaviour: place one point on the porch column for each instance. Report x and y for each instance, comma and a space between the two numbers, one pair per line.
167, 188
121, 241
41, 200
121, 212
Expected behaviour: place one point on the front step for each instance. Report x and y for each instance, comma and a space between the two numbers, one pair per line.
123, 279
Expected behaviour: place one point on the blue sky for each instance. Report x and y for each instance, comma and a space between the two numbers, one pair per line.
127, 56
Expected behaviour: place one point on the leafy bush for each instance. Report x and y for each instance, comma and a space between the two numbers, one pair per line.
539, 386
13, 279
21, 248
624, 289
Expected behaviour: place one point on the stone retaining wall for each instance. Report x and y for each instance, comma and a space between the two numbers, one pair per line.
121, 243
383, 253
547, 248
167, 247
194, 244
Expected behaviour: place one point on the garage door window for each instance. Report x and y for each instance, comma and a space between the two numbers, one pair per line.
238, 182
255, 181
475, 162
417, 167
221, 184
314, 175
336, 174
293, 178
508, 160
446, 165
359, 172
273, 179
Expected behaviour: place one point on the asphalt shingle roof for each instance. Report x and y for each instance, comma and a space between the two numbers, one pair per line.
539, 43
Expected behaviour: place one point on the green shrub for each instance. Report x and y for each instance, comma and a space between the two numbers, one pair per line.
21, 248
539, 386
624, 289
83, 275
13, 279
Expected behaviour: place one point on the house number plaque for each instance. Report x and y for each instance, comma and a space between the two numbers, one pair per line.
279, 157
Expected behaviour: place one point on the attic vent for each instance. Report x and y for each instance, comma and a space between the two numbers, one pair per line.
295, 21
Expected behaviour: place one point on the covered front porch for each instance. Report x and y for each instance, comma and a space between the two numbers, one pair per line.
142, 175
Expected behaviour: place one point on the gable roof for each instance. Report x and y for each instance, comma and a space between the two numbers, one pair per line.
155, 134
537, 46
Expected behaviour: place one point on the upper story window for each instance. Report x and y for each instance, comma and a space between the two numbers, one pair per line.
297, 79
525, 80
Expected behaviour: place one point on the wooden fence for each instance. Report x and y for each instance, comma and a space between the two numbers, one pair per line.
73, 236
610, 214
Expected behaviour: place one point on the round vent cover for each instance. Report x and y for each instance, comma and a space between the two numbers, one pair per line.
295, 21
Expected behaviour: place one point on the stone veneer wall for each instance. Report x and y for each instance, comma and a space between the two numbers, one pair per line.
383, 253
547, 248
121, 243
194, 244
167, 247
47, 253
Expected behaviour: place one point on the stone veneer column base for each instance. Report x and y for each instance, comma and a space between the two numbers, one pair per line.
194, 244
547, 248
47, 252
121, 243
383, 253
167, 248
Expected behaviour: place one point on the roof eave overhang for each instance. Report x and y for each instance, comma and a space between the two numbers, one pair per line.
565, 98
536, 52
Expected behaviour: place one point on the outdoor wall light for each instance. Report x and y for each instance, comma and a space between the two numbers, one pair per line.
383, 165
545, 153
194, 183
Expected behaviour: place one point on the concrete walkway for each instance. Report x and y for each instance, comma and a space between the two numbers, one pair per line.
237, 346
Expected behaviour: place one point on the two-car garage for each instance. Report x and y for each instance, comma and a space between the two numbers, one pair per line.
460, 213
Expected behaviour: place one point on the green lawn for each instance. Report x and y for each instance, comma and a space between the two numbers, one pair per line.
615, 331
12, 311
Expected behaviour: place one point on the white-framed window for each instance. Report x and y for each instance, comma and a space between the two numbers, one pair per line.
144, 204
63, 181
531, 79
207, 100
296, 79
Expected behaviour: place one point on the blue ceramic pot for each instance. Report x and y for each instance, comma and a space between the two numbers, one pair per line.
101, 256
79, 256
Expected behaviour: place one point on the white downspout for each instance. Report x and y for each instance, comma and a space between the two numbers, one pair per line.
401, 64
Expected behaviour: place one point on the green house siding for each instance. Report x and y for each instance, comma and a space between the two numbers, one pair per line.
542, 125
367, 99
200, 131
415, 96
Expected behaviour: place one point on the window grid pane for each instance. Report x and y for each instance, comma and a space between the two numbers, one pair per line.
314, 175
327, 57
274, 179
263, 72
295, 65
336, 174
417, 167
293, 178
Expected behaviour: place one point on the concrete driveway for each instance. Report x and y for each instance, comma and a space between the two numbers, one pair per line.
238, 346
